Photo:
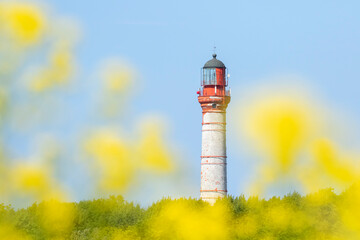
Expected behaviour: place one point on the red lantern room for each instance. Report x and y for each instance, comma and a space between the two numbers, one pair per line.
213, 94
214, 79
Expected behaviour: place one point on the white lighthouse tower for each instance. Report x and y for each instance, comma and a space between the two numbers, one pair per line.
214, 98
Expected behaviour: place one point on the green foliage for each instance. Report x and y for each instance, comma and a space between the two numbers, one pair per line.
314, 216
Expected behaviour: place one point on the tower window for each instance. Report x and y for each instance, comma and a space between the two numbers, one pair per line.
209, 76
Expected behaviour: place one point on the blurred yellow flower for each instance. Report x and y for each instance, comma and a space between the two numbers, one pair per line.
113, 160
57, 218
350, 211
333, 163
9, 232
153, 152
29, 179
33, 180
118, 161
24, 22
279, 125
60, 68
181, 220
283, 123
118, 81
117, 75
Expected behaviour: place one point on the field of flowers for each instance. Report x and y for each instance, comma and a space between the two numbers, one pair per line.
321, 215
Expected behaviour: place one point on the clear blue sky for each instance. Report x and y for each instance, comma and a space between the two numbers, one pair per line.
169, 41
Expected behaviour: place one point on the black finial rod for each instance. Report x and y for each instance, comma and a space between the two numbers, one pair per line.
214, 55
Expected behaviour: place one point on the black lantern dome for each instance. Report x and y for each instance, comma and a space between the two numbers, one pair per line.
214, 63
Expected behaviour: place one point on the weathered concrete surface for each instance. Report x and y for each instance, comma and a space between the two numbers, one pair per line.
213, 156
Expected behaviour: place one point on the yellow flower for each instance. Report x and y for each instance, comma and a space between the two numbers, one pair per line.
112, 159
152, 150
181, 220
117, 76
333, 163
279, 125
33, 180
23, 22
57, 218
60, 68
9, 232
30, 179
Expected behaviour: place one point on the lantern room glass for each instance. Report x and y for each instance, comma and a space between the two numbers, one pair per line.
209, 77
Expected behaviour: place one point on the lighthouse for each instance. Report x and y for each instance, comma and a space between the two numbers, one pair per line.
214, 97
